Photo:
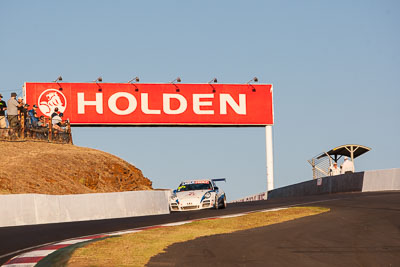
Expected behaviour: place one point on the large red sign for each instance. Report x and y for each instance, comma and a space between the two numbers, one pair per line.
155, 104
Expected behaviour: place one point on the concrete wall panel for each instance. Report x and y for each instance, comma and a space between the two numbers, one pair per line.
47, 208
381, 180
332, 184
17, 209
25, 209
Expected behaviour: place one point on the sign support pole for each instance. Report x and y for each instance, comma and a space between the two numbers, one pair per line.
269, 158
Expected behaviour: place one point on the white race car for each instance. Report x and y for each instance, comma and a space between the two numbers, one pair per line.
197, 195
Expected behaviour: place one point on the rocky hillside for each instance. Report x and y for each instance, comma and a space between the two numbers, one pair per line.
44, 168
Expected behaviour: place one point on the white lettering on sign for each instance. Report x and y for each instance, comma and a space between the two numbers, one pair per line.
238, 108
132, 103
145, 105
82, 103
167, 104
197, 104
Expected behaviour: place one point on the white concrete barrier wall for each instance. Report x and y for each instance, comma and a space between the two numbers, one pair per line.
381, 180
26, 209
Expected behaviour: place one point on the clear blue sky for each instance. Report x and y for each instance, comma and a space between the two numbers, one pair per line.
335, 68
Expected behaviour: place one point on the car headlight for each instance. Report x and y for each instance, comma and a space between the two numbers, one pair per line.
173, 196
207, 195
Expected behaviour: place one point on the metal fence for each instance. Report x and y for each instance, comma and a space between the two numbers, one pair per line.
320, 166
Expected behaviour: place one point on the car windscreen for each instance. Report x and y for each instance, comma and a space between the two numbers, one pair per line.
189, 187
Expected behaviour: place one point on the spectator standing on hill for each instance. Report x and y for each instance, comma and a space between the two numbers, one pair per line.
55, 113
21, 103
12, 111
3, 108
347, 166
20, 108
33, 116
56, 122
42, 122
24, 113
42, 128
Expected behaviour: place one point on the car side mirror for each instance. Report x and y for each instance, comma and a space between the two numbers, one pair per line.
174, 191
216, 188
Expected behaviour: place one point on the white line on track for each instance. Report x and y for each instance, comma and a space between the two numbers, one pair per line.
25, 249
70, 242
21, 265
38, 253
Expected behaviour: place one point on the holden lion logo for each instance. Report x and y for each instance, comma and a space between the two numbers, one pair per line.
51, 99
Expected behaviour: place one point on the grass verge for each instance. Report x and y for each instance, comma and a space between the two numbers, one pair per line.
136, 249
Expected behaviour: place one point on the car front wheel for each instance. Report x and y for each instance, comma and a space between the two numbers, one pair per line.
224, 202
216, 203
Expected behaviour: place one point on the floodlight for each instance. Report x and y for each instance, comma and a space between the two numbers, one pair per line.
255, 79
99, 79
58, 79
136, 79
178, 80
214, 80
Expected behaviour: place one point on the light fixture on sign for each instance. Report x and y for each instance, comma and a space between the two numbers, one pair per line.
136, 79
178, 80
99, 79
132, 81
255, 79
213, 80
57, 80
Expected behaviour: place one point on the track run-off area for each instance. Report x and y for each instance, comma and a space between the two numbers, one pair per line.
361, 228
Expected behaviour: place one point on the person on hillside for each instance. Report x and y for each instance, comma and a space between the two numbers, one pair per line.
42, 129
33, 116
3, 108
56, 122
334, 169
22, 110
20, 107
12, 112
23, 113
3, 123
347, 166
42, 122
55, 113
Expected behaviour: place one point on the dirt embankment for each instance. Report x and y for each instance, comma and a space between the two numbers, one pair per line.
44, 168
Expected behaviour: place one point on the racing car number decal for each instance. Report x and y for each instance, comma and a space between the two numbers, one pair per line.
197, 182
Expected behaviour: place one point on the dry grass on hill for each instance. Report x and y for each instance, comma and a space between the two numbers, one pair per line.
45, 168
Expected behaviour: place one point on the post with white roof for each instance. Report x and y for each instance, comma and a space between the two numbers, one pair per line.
269, 158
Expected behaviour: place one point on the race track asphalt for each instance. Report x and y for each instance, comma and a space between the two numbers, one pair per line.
360, 230
19, 239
